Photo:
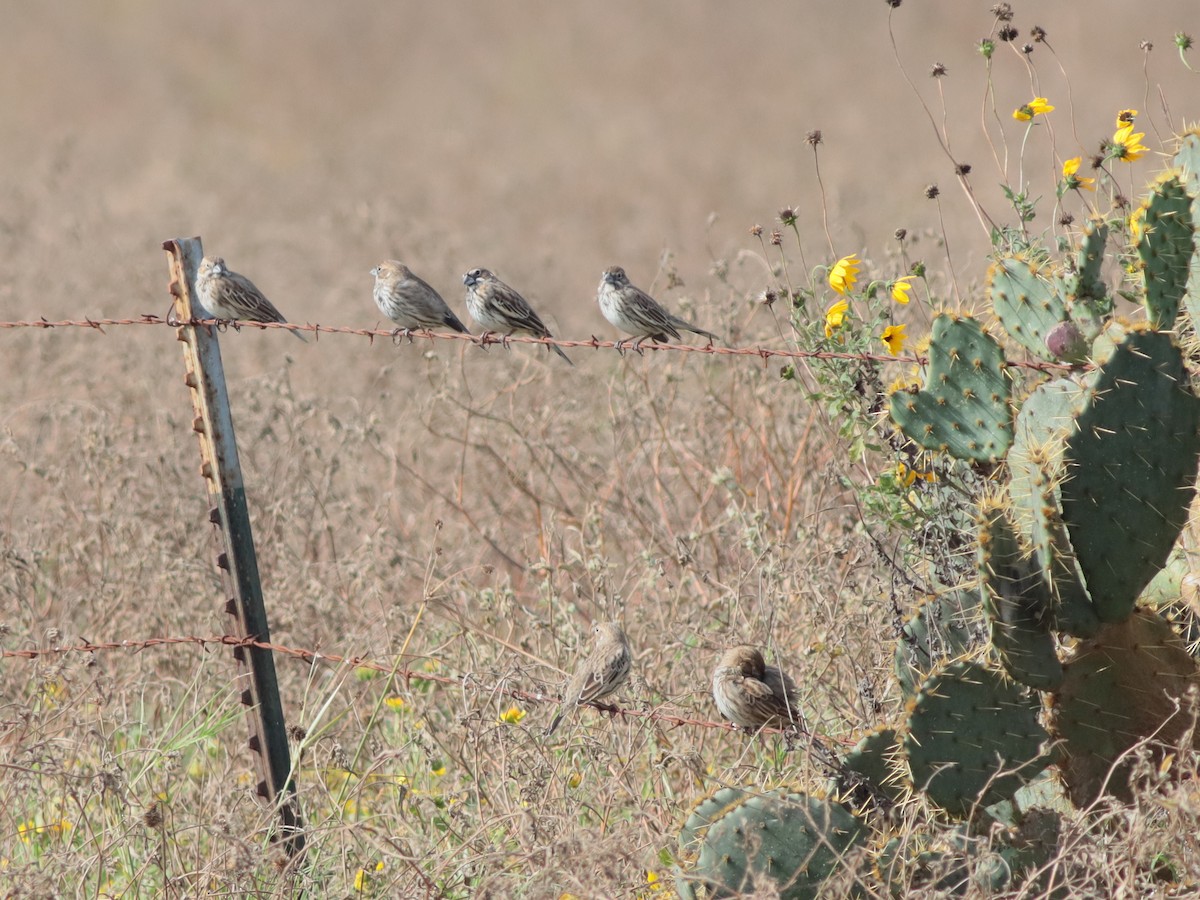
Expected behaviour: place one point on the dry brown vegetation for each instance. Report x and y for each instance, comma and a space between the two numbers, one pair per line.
473, 510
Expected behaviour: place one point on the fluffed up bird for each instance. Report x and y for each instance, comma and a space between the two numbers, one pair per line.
227, 295
410, 301
751, 694
635, 312
601, 672
498, 308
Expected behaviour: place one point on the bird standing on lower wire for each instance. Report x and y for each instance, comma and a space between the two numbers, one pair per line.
410, 302
497, 307
227, 295
634, 311
751, 694
601, 672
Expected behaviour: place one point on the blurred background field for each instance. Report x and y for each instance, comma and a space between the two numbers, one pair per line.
477, 509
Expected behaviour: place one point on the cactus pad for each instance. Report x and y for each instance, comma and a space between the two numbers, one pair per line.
789, 841
1018, 601
1087, 294
943, 626
973, 738
1027, 303
876, 759
1166, 248
1036, 466
963, 408
1131, 469
1121, 687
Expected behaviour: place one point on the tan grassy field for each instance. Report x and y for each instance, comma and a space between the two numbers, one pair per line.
475, 511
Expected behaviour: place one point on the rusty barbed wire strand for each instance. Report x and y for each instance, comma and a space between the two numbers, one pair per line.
485, 341
363, 662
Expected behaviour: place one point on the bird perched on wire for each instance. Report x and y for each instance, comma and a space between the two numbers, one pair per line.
601, 672
497, 307
410, 302
751, 694
227, 295
634, 311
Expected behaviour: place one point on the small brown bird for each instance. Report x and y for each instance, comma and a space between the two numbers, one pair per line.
632, 310
410, 301
601, 672
751, 694
497, 307
228, 295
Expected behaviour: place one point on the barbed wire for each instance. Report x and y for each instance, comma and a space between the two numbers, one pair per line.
363, 662
487, 340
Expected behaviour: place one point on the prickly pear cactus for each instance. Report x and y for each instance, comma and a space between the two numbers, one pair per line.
1028, 304
1166, 248
973, 738
1036, 471
963, 409
1128, 684
1187, 161
944, 626
789, 842
877, 760
1131, 464
1018, 602
1087, 294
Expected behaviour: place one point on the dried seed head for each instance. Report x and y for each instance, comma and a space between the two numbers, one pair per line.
1008, 34
813, 137
938, 70
932, 192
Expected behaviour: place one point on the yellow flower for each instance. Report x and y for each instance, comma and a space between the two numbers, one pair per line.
438, 771
1136, 223
893, 338
835, 316
1128, 146
901, 288
1035, 107
396, 703
574, 780
653, 881
1074, 182
1126, 117
511, 716
844, 273
906, 476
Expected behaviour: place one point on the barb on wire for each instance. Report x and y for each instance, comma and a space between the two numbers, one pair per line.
487, 340
362, 662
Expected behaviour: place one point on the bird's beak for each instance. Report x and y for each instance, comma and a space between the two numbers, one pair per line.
468, 280
608, 278
375, 271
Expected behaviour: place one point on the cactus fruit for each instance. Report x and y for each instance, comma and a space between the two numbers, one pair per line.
964, 407
973, 738
1018, 602
1128, 684
1131, 468
790, 842
1027, 303
943, 626
1166, 248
